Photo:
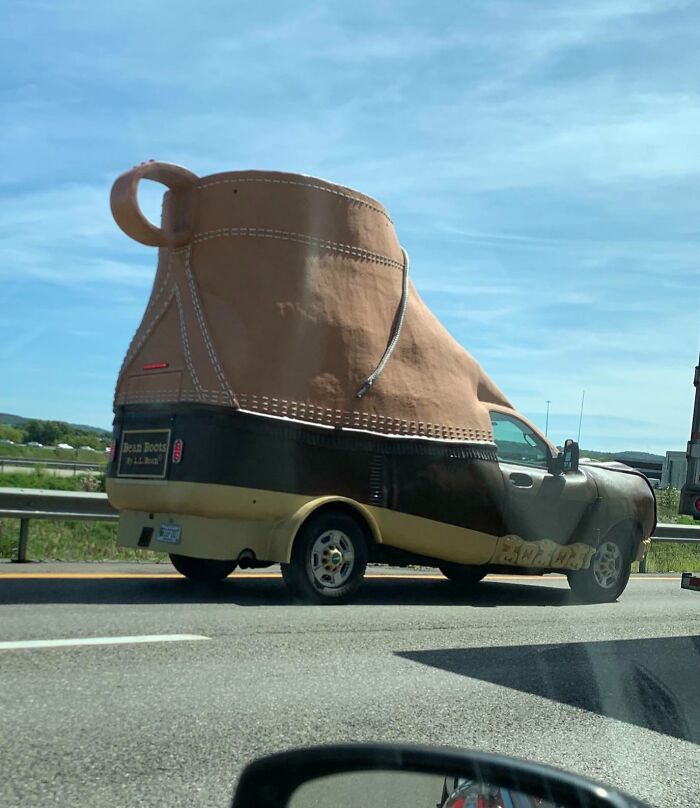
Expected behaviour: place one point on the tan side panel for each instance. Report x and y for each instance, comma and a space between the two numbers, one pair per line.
437, 539
221, 539
281, 514
222, 502
203, 499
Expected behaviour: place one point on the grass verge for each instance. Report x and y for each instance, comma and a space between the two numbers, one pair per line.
672, 558
39, 478
70, 541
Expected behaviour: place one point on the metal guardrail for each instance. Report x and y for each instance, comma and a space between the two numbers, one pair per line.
38, 503
75, 466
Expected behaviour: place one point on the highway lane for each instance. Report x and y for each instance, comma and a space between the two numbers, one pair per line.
514, 666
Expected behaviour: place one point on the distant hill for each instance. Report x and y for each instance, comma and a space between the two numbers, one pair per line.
624, 457
19, 420
646, 457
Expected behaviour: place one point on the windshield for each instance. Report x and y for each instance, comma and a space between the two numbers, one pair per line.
347, 368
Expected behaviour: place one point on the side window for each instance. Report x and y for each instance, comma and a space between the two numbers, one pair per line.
516, 442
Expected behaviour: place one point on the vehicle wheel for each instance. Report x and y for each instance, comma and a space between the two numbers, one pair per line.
463, 573
607, 576
202, 570
329, 558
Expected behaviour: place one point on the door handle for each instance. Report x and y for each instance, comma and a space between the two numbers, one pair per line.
520, 480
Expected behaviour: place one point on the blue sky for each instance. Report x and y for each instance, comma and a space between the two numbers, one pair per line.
540, 161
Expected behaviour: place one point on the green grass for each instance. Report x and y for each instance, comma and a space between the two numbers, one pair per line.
667, 501
43, 479
672, 558
69, 541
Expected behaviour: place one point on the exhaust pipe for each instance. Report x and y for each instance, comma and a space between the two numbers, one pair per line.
246, 559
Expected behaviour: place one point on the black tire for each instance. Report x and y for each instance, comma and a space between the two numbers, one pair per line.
329, 558
202, 570
463, 573
609, 571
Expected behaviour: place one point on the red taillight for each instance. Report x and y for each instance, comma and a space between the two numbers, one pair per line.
696, 504
156, 366
112, 449
178, 446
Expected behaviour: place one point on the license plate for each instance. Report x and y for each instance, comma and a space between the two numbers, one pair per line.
169, 533
144, 453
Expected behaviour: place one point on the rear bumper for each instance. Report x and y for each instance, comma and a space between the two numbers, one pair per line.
216, 521
199, 537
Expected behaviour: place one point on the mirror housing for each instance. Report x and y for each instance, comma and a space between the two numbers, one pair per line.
270, 782
566, 460
571, 455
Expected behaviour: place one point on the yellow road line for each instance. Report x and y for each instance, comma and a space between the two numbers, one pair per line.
157, 576
254, 576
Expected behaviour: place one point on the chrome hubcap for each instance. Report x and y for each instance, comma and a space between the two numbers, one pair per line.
332, 559
607, 565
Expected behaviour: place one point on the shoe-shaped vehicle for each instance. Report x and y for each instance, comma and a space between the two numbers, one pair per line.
289, 398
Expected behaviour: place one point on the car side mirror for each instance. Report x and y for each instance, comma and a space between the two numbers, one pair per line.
387, 776
570, 456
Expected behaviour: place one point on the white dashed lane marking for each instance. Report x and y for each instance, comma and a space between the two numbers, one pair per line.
14, 645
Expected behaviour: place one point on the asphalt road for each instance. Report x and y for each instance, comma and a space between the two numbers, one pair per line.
609, 691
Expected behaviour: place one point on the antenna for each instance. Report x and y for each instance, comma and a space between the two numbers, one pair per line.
580, 418
546, 422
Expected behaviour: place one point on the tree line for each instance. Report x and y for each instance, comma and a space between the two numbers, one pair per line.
50, 433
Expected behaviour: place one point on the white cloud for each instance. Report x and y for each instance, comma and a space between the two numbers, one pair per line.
64, 236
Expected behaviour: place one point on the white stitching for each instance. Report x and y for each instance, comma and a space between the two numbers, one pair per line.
159, 291
304, 411
302, 238
134, 349
130, 351
174, 292
310, 413
203, 327
185, 342
272, 181
147, 333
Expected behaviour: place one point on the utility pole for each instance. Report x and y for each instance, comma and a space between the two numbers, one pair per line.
546, 421
690, 501
580, 418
